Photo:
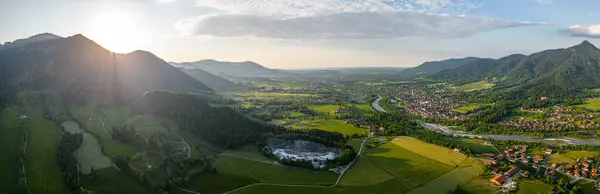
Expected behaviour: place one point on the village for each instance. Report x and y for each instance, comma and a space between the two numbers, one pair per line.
556, 118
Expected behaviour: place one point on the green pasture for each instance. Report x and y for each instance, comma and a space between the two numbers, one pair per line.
112, 181
467, 170
435, 152
526, 186
470, 107
475, 86
570, 157
364, 173
590, 104
10, 136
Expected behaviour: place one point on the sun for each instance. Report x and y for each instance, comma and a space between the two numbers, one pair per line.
115, 31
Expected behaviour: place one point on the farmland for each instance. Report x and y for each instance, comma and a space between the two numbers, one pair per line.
431, 151
271, 173
467, 170
364, 173
329, 125
533, 186
470, 107
43, 174
475, 86
571, 156
590, 104
10, 133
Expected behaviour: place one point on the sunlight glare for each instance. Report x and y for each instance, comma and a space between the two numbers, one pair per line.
115, 31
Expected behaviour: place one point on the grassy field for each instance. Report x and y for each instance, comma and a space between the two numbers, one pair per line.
478, 185
470, 107
364, 173
437, 153
362, 109
43, 173
571, 157
481, 85
10, 135
587, 187
330, 125
590, 104
249, 151
112, 181
385, 187
411, 170
145, 125
533, 186
476, 145
467, 170
215, 183
527, 115
93, 125
324, 110
271, 173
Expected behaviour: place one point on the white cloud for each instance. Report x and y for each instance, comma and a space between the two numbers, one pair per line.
544, 1
299, 8
591, 31
351, 25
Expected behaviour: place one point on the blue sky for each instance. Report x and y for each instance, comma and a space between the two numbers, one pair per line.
312, 33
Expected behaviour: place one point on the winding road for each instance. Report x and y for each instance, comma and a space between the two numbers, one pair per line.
375, 104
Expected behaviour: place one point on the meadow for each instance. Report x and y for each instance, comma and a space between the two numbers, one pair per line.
331, 125
324, 109
571, 157
533, 186
271, 173
476, 146
470, 107
479, 184
249, 151
111, 181
43, 172
410, 169
10, 136
475, 86
467, 170
364, 173
435, 152
590, 104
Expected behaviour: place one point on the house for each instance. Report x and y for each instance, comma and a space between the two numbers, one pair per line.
488, 155
525, 174
499, 179
512, 171
548, 151
553, 165
456, 149
543, 98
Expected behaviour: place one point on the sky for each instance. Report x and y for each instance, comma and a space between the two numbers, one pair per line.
297, 34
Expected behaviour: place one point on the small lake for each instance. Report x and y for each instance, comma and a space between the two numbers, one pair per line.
302, 150
89, 155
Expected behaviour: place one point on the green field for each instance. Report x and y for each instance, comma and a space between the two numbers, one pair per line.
411, 170
590, 104
480, 85
112, 181
478, 185
587, 187
145, 125
93, 125
571, 157
329, 125
43, 173
467, 170
364, 173
470, 107
324, 110
435, 152
475, 145
362, 109
533, 186
249, 151
215, 183
271, 173
10, 136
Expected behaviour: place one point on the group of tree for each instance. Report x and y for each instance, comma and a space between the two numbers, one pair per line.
67, 162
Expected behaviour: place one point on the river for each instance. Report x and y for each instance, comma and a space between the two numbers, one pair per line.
445, 130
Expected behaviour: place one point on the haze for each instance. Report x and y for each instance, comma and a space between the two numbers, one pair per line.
312, 33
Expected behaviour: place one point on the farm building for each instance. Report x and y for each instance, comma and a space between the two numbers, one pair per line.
499, 179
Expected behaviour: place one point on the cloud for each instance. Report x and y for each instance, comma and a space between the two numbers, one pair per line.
301, 8
544, 1
349, 25
591, 31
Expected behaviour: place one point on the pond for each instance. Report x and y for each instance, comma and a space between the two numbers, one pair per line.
89, 155
302, 150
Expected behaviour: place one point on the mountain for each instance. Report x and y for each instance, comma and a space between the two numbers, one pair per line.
30, 40
232, 69
574, 67
80, 68
432, 67
212, 81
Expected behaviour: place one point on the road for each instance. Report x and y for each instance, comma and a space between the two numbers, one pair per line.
375, 104
292, 185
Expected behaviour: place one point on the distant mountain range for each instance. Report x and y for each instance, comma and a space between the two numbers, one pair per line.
429, 68
212, 81
79, 66
232, 69
574, 67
